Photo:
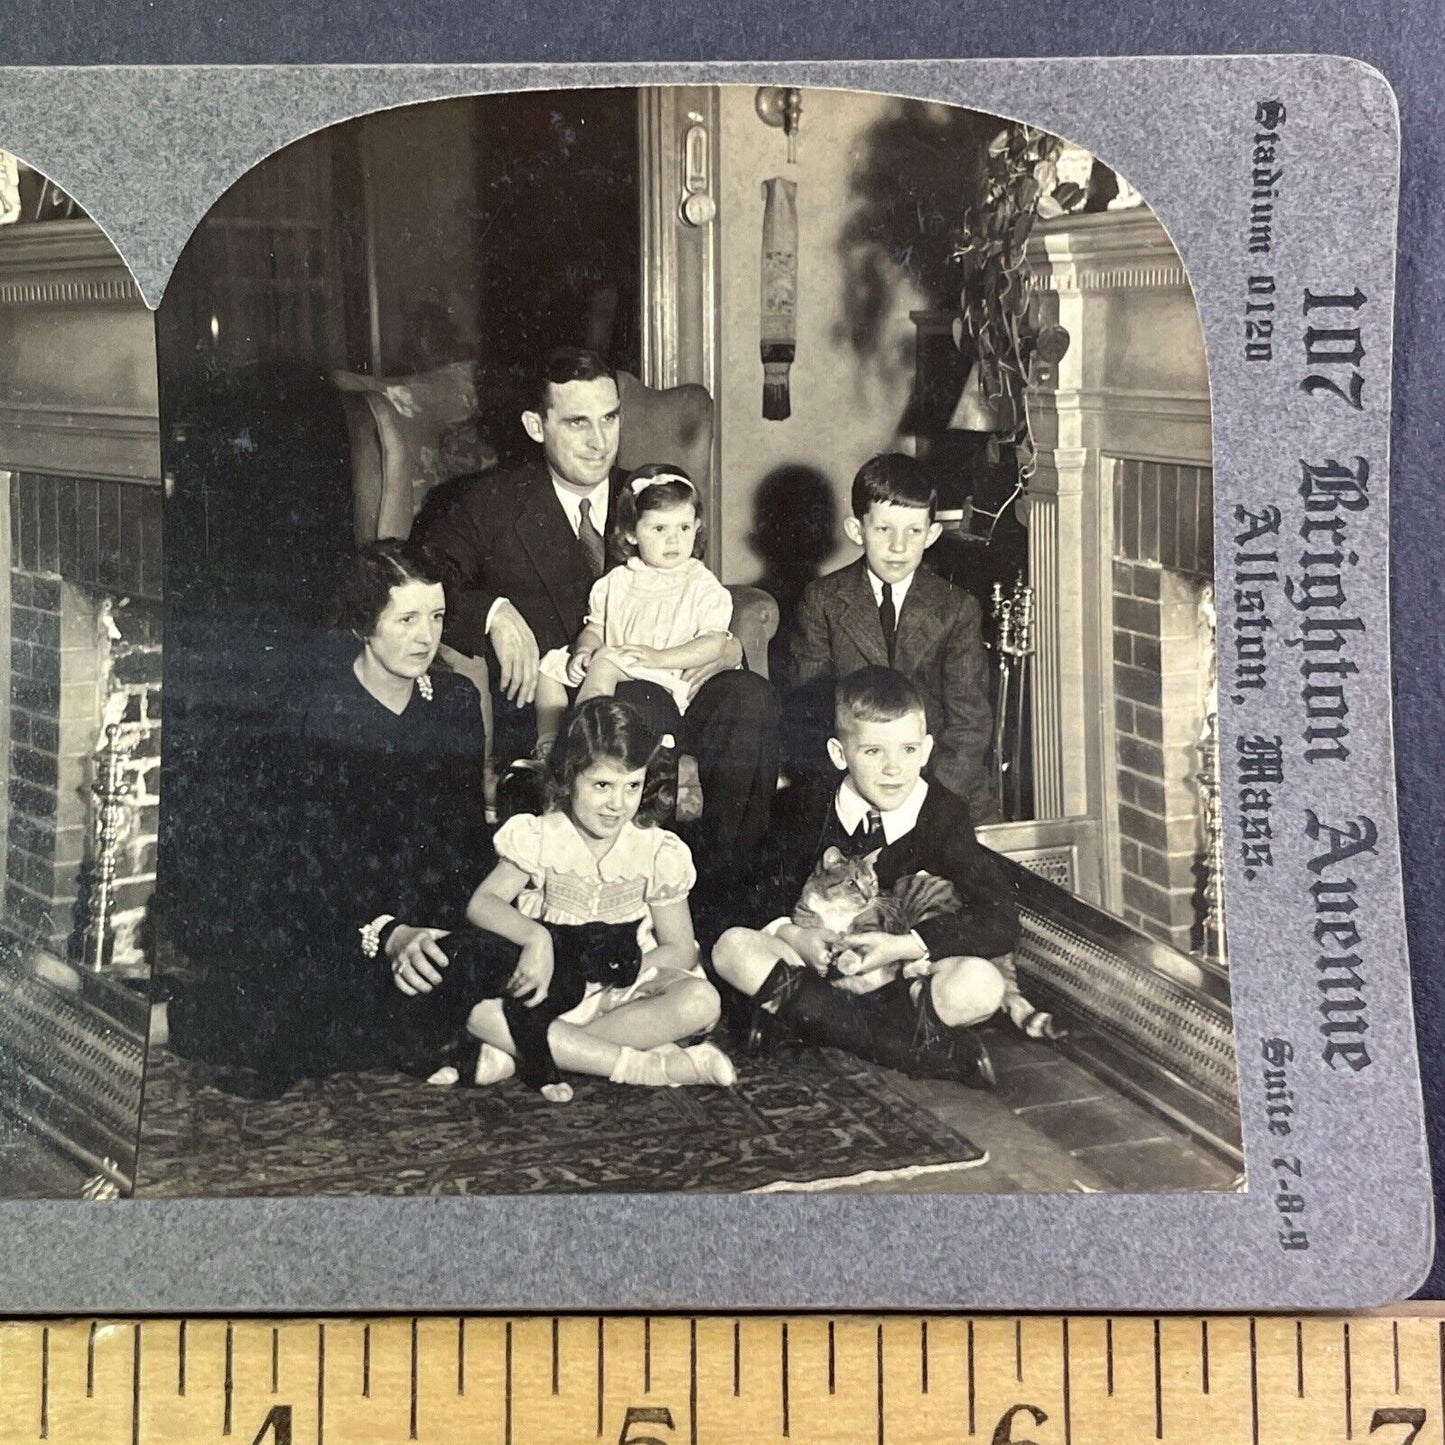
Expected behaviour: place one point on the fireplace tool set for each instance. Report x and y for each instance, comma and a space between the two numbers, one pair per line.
1013, 616
111, 789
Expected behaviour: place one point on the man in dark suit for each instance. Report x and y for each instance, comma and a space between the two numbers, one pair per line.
527, 545
889, 610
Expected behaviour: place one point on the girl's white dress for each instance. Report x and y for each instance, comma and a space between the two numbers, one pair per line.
652, 607
644, 868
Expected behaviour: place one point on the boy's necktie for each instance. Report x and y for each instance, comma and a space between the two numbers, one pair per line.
889, 618
870, 833
590, 538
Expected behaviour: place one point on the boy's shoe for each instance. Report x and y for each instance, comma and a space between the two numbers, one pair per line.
944, 1052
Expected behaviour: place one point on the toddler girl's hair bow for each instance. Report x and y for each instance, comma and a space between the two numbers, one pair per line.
641, 484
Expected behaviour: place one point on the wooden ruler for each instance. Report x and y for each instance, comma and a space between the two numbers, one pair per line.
676, 1380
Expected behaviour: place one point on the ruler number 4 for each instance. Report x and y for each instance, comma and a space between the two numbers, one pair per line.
1411, 1415
654, 1415
277, 1425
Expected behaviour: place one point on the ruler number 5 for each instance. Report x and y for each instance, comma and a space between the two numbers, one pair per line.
661, 1415
1411, 1415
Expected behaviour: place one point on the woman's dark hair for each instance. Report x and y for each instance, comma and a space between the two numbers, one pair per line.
375, 570
603, 729
672, 488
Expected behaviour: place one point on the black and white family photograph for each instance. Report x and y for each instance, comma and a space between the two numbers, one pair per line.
621, 640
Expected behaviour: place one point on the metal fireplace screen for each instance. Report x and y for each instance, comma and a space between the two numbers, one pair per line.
1158, 1020
71, 1064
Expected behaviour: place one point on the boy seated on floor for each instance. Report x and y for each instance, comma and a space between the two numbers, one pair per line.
889, 608
934, 982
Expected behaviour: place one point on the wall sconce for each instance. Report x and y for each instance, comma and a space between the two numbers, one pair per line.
782, 106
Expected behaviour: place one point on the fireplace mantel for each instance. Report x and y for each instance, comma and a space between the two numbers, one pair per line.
1134, 384
78, 392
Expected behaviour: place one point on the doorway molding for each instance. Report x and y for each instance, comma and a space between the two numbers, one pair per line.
680, 285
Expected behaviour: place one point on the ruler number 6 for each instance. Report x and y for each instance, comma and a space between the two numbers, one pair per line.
661, 1415
1411, 1415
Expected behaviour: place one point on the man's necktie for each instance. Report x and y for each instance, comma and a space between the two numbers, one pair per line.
889, 618
590, 538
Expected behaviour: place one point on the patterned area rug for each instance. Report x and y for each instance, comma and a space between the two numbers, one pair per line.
804, 1120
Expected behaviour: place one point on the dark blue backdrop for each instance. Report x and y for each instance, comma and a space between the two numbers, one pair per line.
1405, 39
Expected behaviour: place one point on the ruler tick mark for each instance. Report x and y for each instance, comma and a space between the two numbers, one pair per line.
832, 1372
786, 1421
321, 1383
879, 1373
230, 1383
556, 1355
971, 1380
1204, 1355
275, 1359
1019, 1350
923, 1357
507, 1427
1395, 1334
601, 1372
647, 1354
737, 1358
692, 1382
90, 1362
1158, 1388
412, 1420
366, 1362
1109, 1355
1299, 1359
135, 1387
45, 1383
1349, 1388
1442, 1368
1068, 1393
1253, 1384
462, 1355
181, 1360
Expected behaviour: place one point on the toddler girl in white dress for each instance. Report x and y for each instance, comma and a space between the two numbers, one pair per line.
658, 614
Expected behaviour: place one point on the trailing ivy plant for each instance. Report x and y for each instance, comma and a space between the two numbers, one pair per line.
1020, 183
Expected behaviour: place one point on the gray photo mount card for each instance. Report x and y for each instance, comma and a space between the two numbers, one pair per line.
1179, 425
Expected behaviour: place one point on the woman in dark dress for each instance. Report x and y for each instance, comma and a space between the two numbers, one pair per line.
368, 827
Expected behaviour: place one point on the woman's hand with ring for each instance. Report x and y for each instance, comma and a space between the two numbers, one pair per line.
416, 958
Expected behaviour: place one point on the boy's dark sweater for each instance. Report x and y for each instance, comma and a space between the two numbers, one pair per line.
942, 843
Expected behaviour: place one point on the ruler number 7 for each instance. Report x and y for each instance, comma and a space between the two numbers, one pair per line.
661, 1415
1411, 1415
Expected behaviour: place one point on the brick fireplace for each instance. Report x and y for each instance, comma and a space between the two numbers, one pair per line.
85, 681
1163, 566
80, 594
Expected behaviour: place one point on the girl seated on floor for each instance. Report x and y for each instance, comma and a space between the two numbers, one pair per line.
586, 914
649, 620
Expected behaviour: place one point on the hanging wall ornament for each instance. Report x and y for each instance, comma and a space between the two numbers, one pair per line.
779, 294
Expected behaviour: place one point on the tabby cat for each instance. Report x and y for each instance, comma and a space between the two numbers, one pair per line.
842, 895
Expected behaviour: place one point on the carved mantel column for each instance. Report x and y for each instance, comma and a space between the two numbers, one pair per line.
1133, 383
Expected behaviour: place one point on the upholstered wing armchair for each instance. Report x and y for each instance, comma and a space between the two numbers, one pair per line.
410, 433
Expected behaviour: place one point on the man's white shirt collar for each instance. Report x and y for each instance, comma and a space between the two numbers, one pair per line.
852, 809
900, 589
572, 503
